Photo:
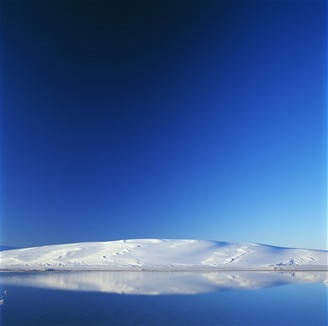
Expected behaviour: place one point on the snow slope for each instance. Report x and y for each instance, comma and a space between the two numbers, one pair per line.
162, 254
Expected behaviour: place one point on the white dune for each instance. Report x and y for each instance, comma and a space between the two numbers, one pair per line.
162, 254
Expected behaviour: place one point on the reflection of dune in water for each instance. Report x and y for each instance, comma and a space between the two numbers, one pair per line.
154, 283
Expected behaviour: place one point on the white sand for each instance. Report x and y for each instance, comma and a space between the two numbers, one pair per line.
162, 254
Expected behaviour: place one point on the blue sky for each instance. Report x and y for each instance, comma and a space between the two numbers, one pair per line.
203, 120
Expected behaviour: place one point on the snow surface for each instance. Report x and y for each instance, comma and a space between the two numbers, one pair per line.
162, 254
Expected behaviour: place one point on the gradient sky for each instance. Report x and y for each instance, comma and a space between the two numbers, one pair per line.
160, 119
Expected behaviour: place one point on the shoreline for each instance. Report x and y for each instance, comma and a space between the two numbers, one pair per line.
164, 270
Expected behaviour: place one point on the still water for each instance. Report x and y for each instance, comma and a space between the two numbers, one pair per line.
163, 298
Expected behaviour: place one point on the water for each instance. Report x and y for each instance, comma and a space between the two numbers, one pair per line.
163, 298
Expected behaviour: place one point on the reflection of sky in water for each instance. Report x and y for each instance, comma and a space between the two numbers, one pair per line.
39, 303
155, 283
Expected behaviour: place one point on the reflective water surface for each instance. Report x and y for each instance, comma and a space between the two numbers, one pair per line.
164, 298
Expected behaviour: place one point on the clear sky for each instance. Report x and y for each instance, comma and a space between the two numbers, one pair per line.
163, 119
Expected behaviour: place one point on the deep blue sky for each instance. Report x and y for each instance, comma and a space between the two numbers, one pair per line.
160, 119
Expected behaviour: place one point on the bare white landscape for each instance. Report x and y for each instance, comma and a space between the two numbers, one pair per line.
162, 255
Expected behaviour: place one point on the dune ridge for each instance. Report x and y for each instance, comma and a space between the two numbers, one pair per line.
163, 254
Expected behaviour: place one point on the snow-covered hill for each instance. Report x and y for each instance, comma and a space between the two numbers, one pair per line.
156, 254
